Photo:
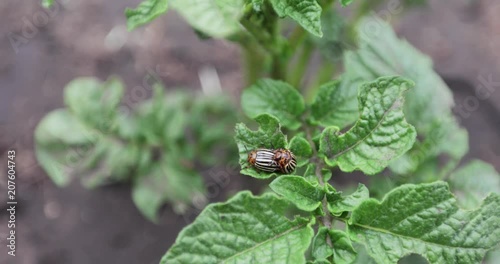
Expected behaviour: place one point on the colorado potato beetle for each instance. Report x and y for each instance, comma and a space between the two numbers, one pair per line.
272, 160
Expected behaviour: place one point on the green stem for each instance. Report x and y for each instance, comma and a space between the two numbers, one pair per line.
253, 61
301, 65
326, 219
325, 74
298, 35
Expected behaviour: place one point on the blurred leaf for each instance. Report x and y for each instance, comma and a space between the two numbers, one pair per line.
473, 181
257, 4
276, 98
298, 191
305, 12
145, 12
47, 3
54, 136
425, 219
310, 174
212, 121
381, 53
345, 2
493, 256
93, 102
380, 135
336, 38
265, 235
269, 135
216, 18
166, 181
444, 137
362, 257
301, 148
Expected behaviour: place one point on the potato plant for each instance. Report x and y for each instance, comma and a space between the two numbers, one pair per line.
374, 105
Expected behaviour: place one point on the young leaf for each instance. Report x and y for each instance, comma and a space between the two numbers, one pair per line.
216, 18
342, 251
166, 181
145, 12
335, 104
305, 12
301, 148
275, 98
299, 191
310, 173
346, 2
93, 102
47, 3
381, 133
245, 229
54, 136
381, 53
257, 4
337, 36
444, 137
349, 202
426, 220
269, 135
320, 248
472, 182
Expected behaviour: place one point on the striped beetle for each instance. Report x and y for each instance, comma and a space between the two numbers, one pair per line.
272, 160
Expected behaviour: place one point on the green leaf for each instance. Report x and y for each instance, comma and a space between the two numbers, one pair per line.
380, 135
342, 251
362, 256
93, 102
425, 219
276, 98
350, 202
216, 18
337, 36
310, 174
245, 229
381, 53
493, 256
54, 135
257, 5
305, 12
47, 3
145, 12
346, 2
335, 104
320, 248
301, 148
165, 181
299, 191
445, 136
472, 182
269, 135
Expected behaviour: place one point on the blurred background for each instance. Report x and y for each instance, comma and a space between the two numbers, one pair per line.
89, 38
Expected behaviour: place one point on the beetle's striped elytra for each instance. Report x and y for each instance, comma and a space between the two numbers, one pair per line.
272, 160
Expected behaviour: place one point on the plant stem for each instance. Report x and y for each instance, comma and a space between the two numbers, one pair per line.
253, 61
326, 219
297, 74
325, 73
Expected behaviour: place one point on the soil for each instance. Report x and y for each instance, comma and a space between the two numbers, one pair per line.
89, 38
